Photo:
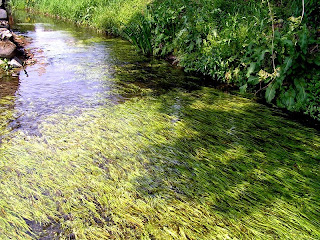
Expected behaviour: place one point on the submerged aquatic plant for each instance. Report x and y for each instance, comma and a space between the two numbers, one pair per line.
4, 65
199, 165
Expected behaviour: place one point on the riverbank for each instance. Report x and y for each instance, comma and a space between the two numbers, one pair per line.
13, 55
268, 48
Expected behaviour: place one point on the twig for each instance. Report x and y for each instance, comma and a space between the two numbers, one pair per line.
264, 87
272, 40
302, 10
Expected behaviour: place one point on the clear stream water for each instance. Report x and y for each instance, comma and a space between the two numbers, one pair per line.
76, 69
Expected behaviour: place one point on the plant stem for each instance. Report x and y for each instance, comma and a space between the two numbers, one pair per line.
273, 30
302, 10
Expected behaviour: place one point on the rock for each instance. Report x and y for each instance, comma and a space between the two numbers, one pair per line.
7, 49
15, 63
4, 24
3, 14
5, 34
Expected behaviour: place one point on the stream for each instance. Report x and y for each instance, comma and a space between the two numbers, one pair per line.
77, 68
100, 142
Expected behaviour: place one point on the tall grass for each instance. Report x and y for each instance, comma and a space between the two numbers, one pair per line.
109, 15
139, 33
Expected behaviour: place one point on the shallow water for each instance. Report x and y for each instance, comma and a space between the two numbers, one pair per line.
77, 68
99, 142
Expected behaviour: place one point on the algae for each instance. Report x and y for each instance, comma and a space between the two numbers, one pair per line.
182, 165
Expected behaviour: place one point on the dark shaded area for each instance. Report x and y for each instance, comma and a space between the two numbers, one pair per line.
273, 158
8, 85
46, 231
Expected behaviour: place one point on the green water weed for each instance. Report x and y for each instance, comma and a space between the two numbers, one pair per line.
197, 165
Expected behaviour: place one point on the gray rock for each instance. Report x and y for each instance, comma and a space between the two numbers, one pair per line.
4, 24
3, 14
15, 63
5, 34
7, 49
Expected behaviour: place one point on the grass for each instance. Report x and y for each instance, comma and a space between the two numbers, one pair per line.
110, 15
199, 165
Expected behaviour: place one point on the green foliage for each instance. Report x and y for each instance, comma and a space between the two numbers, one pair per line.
313, 87
217, 38
139, 34
4, 65
293, 63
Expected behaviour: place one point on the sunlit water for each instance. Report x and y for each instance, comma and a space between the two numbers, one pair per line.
77, 69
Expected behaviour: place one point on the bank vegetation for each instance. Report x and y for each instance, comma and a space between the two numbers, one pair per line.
269, 47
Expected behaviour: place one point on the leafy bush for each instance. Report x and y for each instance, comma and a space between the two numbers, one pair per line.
269, 48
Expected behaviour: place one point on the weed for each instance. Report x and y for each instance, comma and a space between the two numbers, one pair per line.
200, 165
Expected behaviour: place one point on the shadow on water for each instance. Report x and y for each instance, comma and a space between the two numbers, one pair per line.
241, 165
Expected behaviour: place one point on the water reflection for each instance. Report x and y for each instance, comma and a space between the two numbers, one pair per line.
69, 73
8, 88
8, 85
78, 69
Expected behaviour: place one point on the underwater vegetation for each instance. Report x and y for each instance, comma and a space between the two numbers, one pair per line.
197, 165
